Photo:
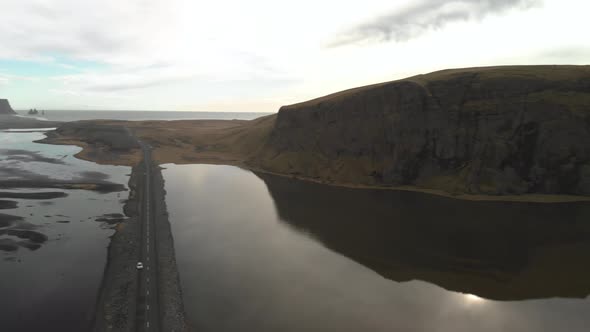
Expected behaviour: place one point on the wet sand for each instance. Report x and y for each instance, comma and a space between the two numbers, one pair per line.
50, 202
13, 225
7, 204
39, 195
8, 219
18, 122
98, 186
117, 299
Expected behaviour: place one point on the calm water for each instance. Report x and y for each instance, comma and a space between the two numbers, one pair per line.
263, 253
53, 286
145, 115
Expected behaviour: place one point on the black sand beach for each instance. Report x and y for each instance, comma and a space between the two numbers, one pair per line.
8, 121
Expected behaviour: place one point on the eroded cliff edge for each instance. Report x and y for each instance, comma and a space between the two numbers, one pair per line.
495, 131
475, 133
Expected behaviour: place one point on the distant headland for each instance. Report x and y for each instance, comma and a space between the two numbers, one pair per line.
9, 119
5, 107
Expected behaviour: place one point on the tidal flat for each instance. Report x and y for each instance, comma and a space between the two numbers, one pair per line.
57, 216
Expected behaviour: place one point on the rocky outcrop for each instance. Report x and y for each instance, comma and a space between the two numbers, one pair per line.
5, 107
495, 130
113, 137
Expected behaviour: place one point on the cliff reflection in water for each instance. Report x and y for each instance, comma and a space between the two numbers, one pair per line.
495, 250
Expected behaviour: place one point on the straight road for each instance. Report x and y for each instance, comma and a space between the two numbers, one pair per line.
148, 310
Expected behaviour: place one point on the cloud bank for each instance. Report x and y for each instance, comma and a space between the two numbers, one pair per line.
422, 16
258, 55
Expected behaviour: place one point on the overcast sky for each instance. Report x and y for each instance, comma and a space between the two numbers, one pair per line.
257, 55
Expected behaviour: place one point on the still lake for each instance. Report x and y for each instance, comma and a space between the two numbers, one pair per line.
264, 253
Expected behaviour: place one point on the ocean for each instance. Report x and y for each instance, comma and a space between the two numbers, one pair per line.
67, 116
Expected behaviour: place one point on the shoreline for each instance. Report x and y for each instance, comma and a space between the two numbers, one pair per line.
172, 314
524, 198
90, 152
15, 121
115, 306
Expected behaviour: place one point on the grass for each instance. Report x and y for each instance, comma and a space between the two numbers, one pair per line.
544, 72
577, 102
250, 143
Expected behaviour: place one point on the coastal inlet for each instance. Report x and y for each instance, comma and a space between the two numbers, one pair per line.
57, 214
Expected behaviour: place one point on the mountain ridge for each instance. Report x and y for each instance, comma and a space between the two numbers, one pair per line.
488, 130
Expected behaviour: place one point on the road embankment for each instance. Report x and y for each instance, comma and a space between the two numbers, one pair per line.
117, 305
172, 315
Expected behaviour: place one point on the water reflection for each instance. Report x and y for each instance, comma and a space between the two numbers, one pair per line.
53, 241
277, 255
502, 251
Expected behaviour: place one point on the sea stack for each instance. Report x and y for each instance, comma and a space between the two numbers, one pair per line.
5, 107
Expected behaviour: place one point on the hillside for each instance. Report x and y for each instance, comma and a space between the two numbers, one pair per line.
471, 133
491, 131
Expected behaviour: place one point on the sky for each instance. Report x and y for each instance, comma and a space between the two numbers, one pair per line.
257, 55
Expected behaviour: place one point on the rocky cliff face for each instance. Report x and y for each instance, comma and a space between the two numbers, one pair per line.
113, 137
5, 107
496, 130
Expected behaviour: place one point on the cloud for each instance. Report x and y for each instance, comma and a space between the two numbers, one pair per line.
129, 45
421, 16
567, 54
124, 79
92, 30
165, 54
6, 79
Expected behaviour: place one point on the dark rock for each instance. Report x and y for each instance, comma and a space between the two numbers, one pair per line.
8, 204
29, 245
116, 138
497, 130
5, 107
29, 156
7, 219
39, 195
33, 236
8, 245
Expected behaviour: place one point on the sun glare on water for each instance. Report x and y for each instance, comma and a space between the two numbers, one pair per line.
470, 298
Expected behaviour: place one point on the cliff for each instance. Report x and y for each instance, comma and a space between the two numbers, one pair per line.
5, 107
491, 131
481, 133
102, 142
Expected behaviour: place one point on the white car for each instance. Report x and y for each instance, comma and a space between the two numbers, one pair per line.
139, 265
